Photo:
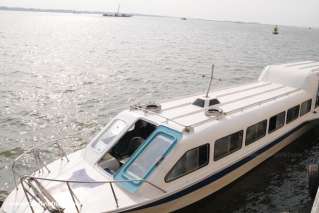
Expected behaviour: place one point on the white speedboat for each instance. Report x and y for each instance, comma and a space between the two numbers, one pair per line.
162, 157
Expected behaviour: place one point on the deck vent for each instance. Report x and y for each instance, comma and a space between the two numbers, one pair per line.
200, 102
152, 107
213, 102
214, 112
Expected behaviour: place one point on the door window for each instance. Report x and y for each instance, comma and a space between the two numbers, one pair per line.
147, 158
150, 157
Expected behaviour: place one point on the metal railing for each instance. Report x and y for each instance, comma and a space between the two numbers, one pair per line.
33, 189
186, 128
35, 152
232, 101
242, 108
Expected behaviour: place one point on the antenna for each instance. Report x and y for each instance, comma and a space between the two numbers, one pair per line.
210, 81
118, 9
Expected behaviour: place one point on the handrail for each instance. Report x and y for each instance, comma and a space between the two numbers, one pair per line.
46, 196
231, 101
263, 101
36, 154
248, 106
95, 182
187, 128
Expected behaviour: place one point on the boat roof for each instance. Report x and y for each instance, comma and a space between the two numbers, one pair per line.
275, 82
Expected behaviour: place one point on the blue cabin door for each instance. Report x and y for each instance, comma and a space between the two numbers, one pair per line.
147, 157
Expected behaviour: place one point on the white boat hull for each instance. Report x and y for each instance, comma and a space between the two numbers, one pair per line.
213, 187
231, 130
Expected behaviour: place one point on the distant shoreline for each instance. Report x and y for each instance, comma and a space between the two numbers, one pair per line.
23, 9
50, 10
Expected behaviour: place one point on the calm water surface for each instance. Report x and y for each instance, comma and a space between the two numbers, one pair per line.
66, 75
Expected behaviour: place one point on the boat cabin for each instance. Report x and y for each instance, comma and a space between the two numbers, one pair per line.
167, 143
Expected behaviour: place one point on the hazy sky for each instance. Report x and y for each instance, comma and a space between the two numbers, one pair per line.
288, 12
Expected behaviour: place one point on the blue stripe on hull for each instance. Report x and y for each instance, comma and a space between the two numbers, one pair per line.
219, 174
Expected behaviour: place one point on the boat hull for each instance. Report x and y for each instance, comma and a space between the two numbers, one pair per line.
209, 188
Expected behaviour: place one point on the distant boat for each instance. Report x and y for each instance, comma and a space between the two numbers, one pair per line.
275, 31
117, 14
183, 18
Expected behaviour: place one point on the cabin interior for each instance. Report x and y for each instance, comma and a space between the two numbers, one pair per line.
126, 146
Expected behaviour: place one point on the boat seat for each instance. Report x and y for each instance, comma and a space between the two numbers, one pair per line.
111, 165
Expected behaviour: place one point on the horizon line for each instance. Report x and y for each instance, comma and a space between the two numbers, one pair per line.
74, 11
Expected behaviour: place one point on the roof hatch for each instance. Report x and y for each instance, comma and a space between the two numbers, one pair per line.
205, 102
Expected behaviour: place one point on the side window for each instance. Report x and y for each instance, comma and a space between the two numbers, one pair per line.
228, 145
305, 107
276, 122
191, 161
292, 114
317, 101
255, 132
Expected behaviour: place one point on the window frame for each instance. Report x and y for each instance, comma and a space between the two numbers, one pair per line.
284, 122
308, 110
259, 137
99, 145
190, 171
144, 152
317, 97
233, 151
294, 118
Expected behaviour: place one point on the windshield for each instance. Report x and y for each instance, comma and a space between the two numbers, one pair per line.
125, 145
112, 131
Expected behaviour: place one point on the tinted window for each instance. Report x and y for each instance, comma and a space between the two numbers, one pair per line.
276, 122
317, 101
213, 102
189, 162
256, 132
292, 114
199, 102
228, 145
305, 107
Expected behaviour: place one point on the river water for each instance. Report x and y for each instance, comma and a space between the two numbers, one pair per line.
64, 74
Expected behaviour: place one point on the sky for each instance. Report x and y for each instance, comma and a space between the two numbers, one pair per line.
283, 12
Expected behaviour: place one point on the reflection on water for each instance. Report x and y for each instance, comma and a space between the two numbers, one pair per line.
63, 74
